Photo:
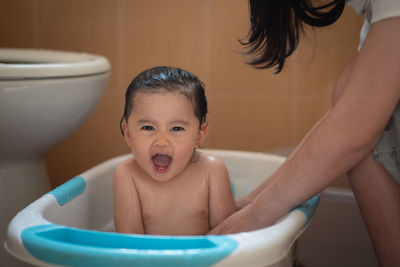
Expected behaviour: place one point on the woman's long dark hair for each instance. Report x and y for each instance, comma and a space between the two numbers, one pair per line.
276, 25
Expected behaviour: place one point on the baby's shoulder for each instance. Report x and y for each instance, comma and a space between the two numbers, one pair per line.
215, 168
125, 168
209, 160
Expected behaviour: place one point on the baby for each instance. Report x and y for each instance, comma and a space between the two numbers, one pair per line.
168, 188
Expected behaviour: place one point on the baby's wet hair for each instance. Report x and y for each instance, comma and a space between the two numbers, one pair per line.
169, 79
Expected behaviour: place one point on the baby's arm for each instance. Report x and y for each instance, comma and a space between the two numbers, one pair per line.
222, 203
127, 212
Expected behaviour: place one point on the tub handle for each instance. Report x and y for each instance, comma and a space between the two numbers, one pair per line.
68, 246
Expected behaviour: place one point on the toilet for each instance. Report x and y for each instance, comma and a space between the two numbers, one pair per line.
45, 96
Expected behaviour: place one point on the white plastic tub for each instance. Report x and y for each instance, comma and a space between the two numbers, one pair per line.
73, 226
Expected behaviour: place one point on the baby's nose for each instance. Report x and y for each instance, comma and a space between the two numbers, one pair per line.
161, 140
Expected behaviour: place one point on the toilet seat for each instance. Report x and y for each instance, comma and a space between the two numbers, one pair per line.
21, 63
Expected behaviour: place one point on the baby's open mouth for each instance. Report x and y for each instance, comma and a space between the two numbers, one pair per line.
161, 162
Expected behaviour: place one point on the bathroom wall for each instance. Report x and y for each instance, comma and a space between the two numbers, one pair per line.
249, 109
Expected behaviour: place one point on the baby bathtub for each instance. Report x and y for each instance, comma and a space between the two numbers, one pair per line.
73, 226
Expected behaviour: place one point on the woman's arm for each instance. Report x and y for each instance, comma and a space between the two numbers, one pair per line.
127, 211
337, 91
221, 201
341, 139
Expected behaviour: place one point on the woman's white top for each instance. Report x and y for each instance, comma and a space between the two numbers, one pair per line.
374, 10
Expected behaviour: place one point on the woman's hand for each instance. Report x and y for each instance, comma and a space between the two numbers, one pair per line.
242, 202
249, 218
241, 221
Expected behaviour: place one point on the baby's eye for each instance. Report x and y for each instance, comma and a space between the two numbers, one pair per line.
177, 129
147, 128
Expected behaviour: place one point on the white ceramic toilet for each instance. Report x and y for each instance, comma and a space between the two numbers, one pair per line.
44, 96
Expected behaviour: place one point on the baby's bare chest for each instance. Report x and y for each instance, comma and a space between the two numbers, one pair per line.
176, 208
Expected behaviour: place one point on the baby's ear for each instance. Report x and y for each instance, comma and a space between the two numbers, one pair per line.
125, 130
201, 134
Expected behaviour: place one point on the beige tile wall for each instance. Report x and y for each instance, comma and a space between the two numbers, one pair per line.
249, 109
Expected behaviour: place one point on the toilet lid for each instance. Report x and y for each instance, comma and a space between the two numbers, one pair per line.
19, 63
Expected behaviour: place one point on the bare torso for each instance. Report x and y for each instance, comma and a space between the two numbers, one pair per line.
191, 203
177, 207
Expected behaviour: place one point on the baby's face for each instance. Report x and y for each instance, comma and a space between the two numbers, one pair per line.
162, 132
